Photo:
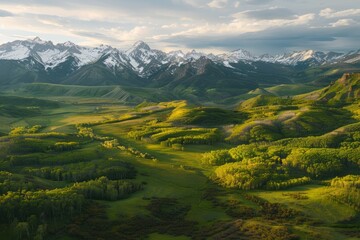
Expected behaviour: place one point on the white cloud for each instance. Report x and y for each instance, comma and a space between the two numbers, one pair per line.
86, 14
240, 26
195, 3
50, 22
169, 26
217, 3
136, 33
331, 13
343, 23
25, 24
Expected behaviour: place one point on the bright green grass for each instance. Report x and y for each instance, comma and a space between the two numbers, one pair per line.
164, 179
291, 89
168, 177
318, 205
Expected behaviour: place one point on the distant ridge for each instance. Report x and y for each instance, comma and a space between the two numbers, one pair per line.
144, 71
141, 58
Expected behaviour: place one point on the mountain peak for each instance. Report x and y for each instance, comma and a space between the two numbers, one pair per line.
240, 50
141, 45
37, 40
69, 44
238, 55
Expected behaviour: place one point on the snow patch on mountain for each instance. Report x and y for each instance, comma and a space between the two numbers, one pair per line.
227, 64
238, 55
353, 60
18, 52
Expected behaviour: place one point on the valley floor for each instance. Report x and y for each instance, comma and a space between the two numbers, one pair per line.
166, 192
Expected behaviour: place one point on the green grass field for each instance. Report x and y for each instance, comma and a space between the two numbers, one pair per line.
179, 197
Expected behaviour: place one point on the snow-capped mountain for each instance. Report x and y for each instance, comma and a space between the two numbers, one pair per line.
50, 55
177, 74
310, 56
145, 62
238, 55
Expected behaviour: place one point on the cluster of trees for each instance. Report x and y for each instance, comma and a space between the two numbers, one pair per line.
10, 182
23, 145
28, 208
347, 190
263, 132
186, 134
65, 146
138, 153
110, 144
282, 164
324, 141
32, 228
216, 158
25, 130
104, 189
318, 162
85, 132
349, 181
349, 196
29, 211
46, 204
168, 135
247, 174
144, 132
247, 166
38, 143
206, 138
80, 155
115, 144
276, 185
113, 170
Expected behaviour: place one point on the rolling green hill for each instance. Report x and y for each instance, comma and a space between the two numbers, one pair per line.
265, 100
52, 90
205, 116
344, 90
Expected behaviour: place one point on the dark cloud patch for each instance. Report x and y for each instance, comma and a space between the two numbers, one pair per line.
267, 14
276, 41
4, 13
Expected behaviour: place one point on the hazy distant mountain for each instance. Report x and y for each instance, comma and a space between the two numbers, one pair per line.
191, 74
145, 61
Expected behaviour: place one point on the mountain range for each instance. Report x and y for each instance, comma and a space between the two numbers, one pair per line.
191, 74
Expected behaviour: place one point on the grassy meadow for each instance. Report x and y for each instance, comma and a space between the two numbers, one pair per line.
272, 167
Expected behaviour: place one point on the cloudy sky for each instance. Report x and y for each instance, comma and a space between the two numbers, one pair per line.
260, 26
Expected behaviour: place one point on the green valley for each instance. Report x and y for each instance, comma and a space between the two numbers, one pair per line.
86, 162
